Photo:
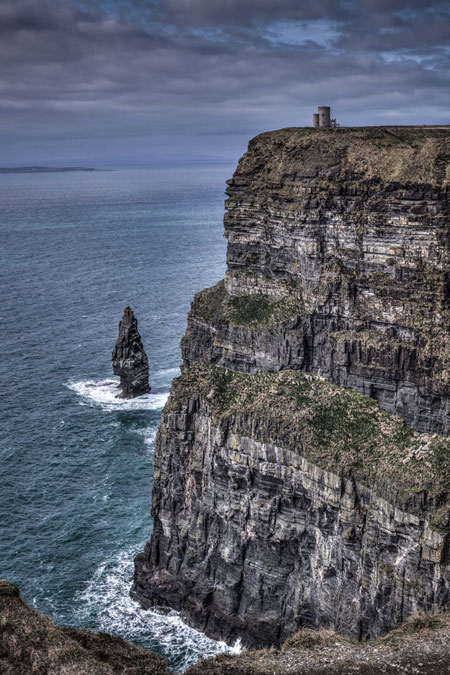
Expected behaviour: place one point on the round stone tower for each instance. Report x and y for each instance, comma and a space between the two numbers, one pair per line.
324, 116
316, 122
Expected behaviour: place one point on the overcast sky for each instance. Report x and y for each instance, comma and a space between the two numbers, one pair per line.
133, 81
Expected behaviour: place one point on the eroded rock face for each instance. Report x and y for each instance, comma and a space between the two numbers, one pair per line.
338, 265
129, 359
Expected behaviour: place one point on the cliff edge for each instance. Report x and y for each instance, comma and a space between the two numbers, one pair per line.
31, 643
419, 647
302, 465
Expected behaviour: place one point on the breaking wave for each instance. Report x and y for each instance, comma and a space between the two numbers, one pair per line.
149, 434
104, 393
171, 372
105, 605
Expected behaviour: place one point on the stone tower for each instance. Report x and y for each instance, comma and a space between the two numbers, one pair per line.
324, 116
322, 119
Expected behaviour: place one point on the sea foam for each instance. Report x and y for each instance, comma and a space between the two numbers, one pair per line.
149, 434
105, 394
105, 605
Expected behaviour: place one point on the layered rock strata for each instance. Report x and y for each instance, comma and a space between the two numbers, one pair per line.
281, 500
348, 230
129, 359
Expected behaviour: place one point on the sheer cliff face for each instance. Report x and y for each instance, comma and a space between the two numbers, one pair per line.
342, 239
280, 499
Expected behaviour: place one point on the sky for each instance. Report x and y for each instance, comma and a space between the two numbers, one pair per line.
136, 82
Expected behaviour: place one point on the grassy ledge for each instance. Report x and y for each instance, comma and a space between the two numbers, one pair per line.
214, 304
337, 429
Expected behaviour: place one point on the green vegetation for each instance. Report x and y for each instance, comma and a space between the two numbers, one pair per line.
208, 304
338, 429
214, 304
404, 154
260, 309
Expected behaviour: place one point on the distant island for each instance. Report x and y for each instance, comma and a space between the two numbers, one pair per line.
47, 169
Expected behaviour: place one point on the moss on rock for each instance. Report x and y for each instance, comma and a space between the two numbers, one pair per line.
340, 430
258, 309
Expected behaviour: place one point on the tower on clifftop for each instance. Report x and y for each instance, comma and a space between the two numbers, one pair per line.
322, 119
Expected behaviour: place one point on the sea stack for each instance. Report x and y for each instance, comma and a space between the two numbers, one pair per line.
129, 360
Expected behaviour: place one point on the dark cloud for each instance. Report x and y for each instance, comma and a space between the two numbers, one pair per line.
117, 78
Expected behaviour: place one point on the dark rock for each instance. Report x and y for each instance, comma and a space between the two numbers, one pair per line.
8, 588
256, 534
365, 253
129, 359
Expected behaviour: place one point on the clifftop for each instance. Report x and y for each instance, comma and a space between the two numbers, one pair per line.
416, 154
337, 430
338, 262
419, 647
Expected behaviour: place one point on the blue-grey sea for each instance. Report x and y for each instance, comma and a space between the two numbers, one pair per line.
76, 462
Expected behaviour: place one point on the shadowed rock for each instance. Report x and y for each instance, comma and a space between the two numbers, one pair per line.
129, 359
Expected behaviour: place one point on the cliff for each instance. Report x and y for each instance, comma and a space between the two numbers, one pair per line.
129, 359
31, 643
307, 484
338, 264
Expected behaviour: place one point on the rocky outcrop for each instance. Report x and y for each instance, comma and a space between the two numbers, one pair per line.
129, 359
281, 500
31, 643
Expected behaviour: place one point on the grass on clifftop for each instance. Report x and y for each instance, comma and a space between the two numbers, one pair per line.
337, 429
31, 643
214, 304
419, 646
391, 153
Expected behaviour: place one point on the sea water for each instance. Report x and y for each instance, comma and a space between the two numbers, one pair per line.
76, 461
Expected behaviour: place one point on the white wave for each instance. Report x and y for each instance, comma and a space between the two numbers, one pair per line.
106, 606
149, 434
104, 393
174, 372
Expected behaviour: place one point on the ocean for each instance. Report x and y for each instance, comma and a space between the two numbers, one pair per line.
76, 462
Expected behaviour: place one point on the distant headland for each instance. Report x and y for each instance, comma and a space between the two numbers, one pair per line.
47, 169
